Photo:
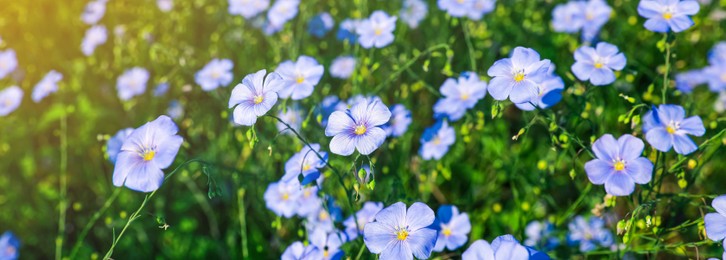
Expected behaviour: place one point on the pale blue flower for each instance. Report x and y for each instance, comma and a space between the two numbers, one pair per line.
217, 73
453, 228
666, 15
365, 215
298, 251
328, 243
9, 246
400, 234
300, 77
619, 164
46, 86
597, 64
597, 13
715, 75
254, 96
165, 5
282, 11
568, 17
8, 62
715, 223
93, 12
479, 8
687, 81
358, 128
413, 12
132, 83
400, 119
94, 37
175, 109
456, 8
436, 140
113, 146
517, 77
320, 24
667, 126
589, 234
550, 92
342, 67
308, 202
460, 95
305, 163
377, 30
10, 99
293, 117
247, 8
282, 197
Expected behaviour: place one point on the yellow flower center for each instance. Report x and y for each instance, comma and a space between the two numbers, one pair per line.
437, 140
148, 155
323, 215
325, 253
402, 234
306, 167
306, 193
670, 130
361, 129
723, 77
519, 76
598, 65
378, 32
460, 1
300, 79
285, 196
464, 96
667, 15
446, 231
258, 99
216, 74
619, 166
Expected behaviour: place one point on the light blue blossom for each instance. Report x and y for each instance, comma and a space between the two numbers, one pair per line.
517, 77
46, 86
413, 12
113, 146
132, 83
145, 153
501, 248
597, 13
319, 219
665, 15
308, 203
715, 223
619, 164
282, 11
460, 95
400, 234
305, 163
95, 36
10, 99
328, 243
400, 119
297, 251
479, 8
93, 12
217, 73
358, 128
9, 245
293, 117
342, 67
717, 54
597, 64
300, 77
320, 24
453, 228
715, 75
247, 8
254, 96
8, 62
539, 235
568, 17
282, 197
377, 30
667, 126
347, 30
165, 5
456, 8
175, 109
687, 81
589, 234
550, 92
329, 105
436, 140
365, 215
354, 100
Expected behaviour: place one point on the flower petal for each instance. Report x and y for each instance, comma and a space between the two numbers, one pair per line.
631, 147
582, 70
640, 169
378, 114
144, 177
479, 250
659, 138
524, 91
693, 125
422, 241
167, 150
683, 144
606, 148
397, 251
602, 76
619, 184
377, 236
244, 114
500, 68
343, 144
500, 87
719, 203
715, 225
370, 141
598, 171
419, 216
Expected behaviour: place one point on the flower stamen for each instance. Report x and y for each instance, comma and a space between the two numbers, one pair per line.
258, 99
361, 129
402, 234
519, 76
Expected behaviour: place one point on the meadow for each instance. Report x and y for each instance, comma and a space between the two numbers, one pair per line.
315, 129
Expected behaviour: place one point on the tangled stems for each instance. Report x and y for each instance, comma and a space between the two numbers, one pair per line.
137, 213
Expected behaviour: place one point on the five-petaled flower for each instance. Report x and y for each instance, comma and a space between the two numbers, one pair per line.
715, 223
217, 73
453, 227
619, 164
517, 77
376, 31
666, 127
401, 234
597, 64
306, 163
460, 95
358, 128
300, 77
666, 15
254, 96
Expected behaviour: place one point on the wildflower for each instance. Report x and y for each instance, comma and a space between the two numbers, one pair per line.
342, 67
10, 99
327, 243
329, 105
282, 197
132, 83
715, 223
717, 54
398, 233
619, 164
308, 202
254, 97
413, 12
479, 8
307, 163
324, 217
113, 146
93, 12
517, 77
453, 228
597, 64
376, 31
539, 234
8, 62
297, 251
247, 8
354, 100
460, 95
597, 13
456, 8
666, 127
165, 5
436, 140
300, 77
46, 86
282, 11
161, 89
175, 109
347, 30
568, 17
145, 153
320, 25
550, 92
715, 76
687, 81
666, 15
358, 128
217, 73
293, 117
94, 37
589, 234
400, 119
9, 245
502, 247
365, 215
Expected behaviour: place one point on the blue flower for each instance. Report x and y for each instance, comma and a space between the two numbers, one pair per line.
175, 109
327, 243
300, 77
93, 12
376, 31
165, 5
254, 96
568, 17
305, 162
323, 218
550, 92
666, 127
365, 215
717, 54
715, 223
346, 30
413, 12
715, 75
597, 13
145, 153
517, 77
354, 100
308, 203
217, 73
113, 146
589, 234
132, 83
320, 25
10, 99
401, 234
687, 81
400, 119
453, 228
94, 36
282, 11
9, 245
8, 62
46, 86
619, 164
358, 128
456, 8
342, 67
329, 105
502, 247
666, 15
539, 235
460, 95
479, 8
436, 140
247, 8
297, 251
161, 89
597, 64
282, 197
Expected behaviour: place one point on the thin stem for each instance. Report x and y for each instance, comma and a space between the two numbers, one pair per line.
242, 221
62, 203
667, 67
467, 37
93, 220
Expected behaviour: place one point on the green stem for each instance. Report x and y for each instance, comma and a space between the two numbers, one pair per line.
63, 202
667, 67
93, 220
467, 37
242, 221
